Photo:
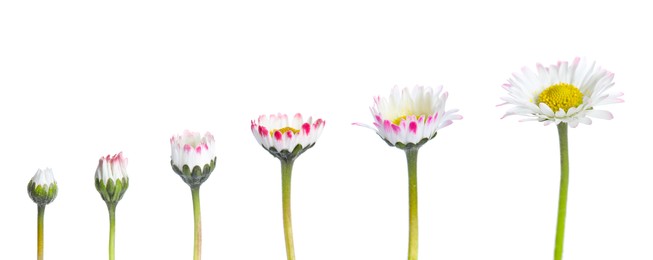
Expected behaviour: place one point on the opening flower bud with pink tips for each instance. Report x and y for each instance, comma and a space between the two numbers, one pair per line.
193, 156
111, 179
286, 139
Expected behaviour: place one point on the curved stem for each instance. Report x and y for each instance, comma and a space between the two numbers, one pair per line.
286, 174
197, 251
112, 230
564, 184
39, 232
411, 157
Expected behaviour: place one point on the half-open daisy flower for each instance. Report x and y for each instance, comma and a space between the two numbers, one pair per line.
284, 139
411, 117
561, 93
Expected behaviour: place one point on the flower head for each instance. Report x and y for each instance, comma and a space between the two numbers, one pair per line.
410, 117
42, 188
111, 179
286, 140
561, 93
193, 156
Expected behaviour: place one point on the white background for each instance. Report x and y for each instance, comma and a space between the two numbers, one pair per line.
82, 79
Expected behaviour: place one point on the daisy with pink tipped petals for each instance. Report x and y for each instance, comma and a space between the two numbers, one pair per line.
564, 94
286, 140
193, 158
411, 116
407, 119
283, 139
111, 181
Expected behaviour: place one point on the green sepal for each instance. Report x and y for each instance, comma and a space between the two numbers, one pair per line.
42, 194
409, 146
286, 155
112, 191
198, 175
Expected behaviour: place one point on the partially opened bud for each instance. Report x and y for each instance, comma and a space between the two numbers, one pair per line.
42, 188
111, 179
193, 157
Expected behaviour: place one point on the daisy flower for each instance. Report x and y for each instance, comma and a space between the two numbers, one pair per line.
42, 189
111, 181
407, 120
566, 95
192, 157
286, 140
411, 117
562, 93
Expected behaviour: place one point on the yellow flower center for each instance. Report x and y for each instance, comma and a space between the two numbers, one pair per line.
397, 120
284, 130
561, 95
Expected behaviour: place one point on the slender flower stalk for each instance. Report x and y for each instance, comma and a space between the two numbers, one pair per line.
411, 158
564, 185
197, 219
193, 159
407, 120
286, 141
39, 247
286, 175
42, 189
112, 230
565, 94
111, 181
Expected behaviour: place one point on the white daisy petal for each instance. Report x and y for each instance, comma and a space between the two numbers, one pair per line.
602, 114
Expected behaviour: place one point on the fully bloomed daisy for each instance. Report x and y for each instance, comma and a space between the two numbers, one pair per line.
411, 116
562, 93
286, 140
407, 119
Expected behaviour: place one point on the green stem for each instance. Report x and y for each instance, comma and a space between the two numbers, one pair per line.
286, 173
197, 251
39, 232
411, 157
112, 230
564, 184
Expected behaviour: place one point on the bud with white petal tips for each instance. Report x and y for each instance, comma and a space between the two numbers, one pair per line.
193, 157
42, 188
111, 179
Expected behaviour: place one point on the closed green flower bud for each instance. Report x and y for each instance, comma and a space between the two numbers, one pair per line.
42, 188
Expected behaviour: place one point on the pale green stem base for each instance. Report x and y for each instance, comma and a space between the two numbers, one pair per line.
39, 232
112, 230
197, 251
564, 184
411, 157
286, 174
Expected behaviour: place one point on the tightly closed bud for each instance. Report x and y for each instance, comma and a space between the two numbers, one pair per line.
42, 188
193, 157
111, 179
